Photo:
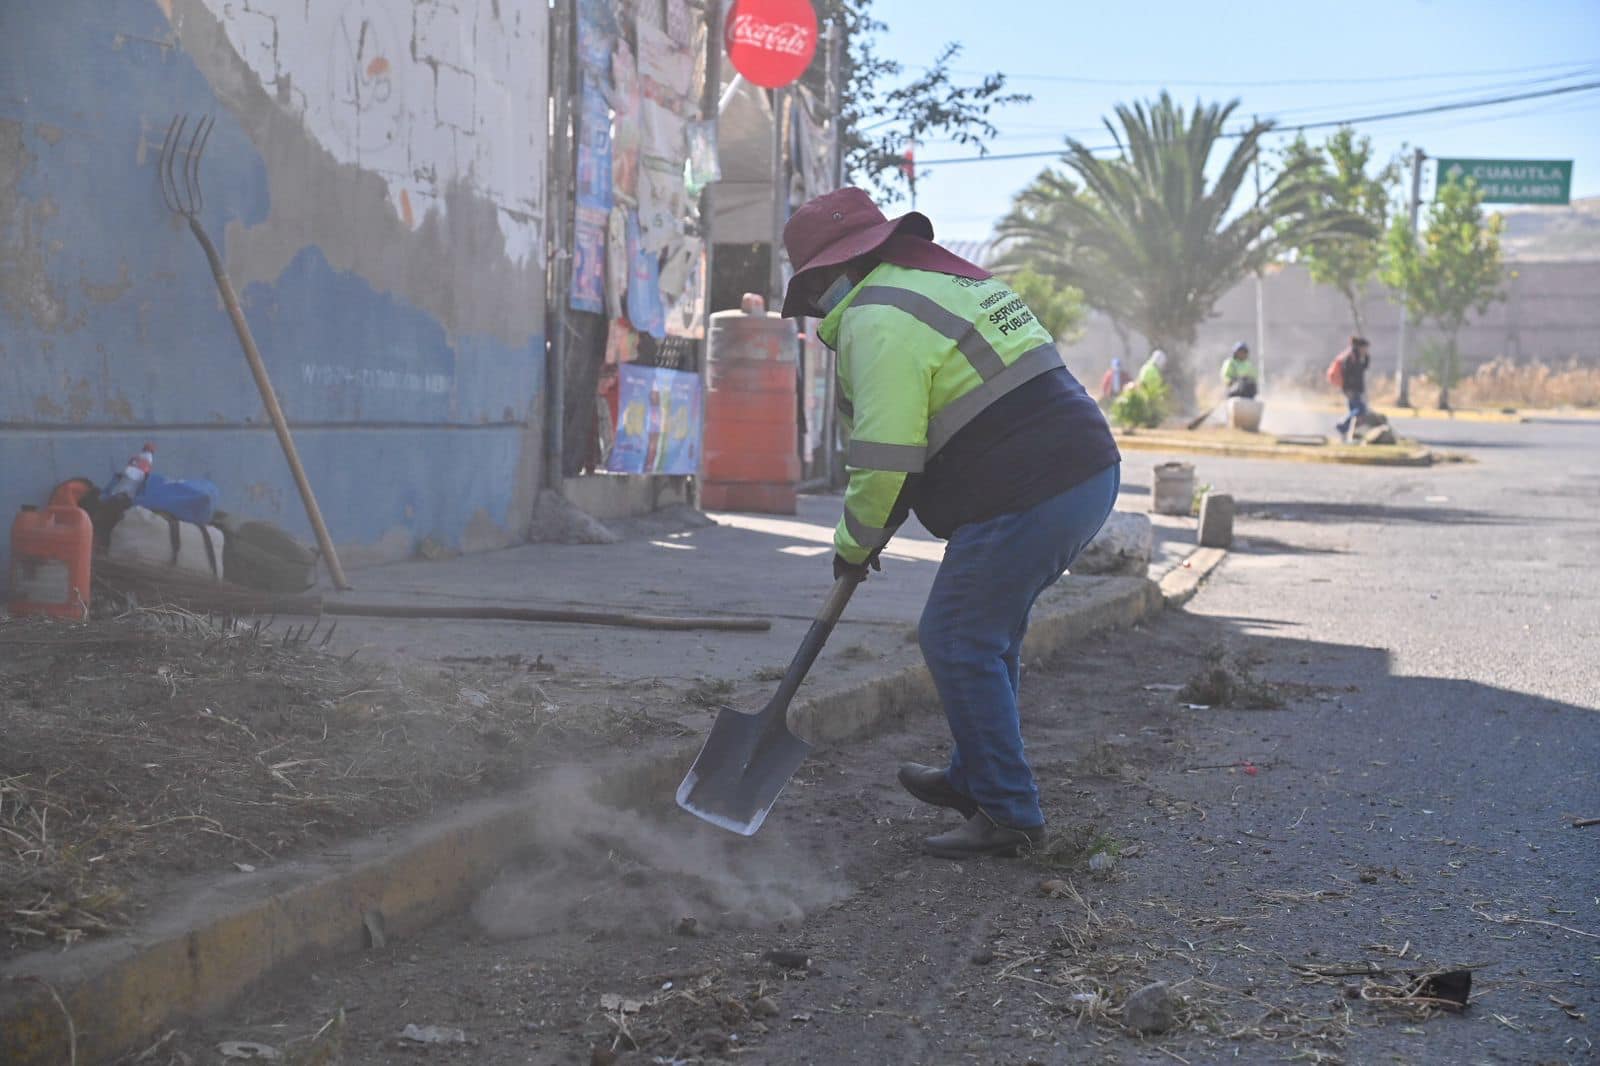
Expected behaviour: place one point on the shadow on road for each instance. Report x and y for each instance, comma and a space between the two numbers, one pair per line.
1302, 511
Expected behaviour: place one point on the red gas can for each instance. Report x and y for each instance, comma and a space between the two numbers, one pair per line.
50, 552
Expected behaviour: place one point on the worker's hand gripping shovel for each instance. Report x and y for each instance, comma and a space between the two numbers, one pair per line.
748, 758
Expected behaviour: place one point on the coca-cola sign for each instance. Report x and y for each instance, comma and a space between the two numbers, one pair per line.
771, 42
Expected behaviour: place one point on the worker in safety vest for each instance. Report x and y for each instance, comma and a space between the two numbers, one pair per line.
1239, 373
958, 406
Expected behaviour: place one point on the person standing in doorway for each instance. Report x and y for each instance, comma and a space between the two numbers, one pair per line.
1349, 373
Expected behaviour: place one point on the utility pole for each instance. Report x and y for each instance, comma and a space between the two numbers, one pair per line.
558, 226
1404, 397
830, 427
1261, 314
836, 101
780, 198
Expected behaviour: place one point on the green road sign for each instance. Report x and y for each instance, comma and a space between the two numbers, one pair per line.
1513, 181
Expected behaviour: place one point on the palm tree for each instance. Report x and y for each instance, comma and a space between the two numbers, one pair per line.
1151, 240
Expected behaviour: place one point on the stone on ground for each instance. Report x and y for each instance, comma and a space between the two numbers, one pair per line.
1123, 546
1152, 1009
1216, 520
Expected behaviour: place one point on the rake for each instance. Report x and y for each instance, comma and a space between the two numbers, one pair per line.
180, 188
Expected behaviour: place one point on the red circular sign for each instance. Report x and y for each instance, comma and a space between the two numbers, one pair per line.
771, 42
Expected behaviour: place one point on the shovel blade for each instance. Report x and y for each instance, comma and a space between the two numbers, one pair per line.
746, 761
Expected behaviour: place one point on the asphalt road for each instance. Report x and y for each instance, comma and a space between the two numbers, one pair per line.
1432, 635
1486, 572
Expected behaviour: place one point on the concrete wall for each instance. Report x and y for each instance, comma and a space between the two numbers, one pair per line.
375, 183
1552, 313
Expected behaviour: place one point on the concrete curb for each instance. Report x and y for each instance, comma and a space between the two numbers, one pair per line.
1283, 452
1427, 414
1179, 586
201, 955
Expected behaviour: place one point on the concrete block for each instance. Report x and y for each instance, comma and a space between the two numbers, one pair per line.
1123, 546
1245, 414
1173, 489
614, 496
1216, 520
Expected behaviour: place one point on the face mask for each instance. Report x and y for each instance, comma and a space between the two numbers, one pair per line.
833, 294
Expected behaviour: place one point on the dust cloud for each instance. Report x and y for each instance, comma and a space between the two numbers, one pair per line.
603, 869
1295, 410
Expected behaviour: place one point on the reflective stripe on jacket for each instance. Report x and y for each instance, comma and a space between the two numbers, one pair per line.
920, 354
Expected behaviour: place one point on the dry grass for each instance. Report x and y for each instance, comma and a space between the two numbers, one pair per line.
160, 744
1503, 383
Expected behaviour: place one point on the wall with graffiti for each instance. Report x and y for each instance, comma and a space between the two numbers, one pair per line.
375, 184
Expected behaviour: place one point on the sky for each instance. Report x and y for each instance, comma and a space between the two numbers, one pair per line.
1328, 61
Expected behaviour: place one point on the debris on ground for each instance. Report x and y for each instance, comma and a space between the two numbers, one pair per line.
159, 743
784, 959
433, 1034
248, 1051
1225, 681
1152, 1009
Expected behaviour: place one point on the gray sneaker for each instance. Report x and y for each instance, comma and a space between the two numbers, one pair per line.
930, 785
982, 835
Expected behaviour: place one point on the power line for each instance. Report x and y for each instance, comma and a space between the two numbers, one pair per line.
1440, 96
1273, 83
1355, 121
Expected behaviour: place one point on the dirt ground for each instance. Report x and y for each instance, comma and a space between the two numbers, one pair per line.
1247, 856
159, 745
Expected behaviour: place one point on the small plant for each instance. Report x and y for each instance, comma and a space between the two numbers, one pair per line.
1200, 493
1142, 404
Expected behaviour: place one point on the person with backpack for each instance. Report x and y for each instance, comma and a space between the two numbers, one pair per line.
1112, 384
1348, 373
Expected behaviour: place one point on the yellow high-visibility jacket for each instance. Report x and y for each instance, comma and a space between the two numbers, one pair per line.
920, 354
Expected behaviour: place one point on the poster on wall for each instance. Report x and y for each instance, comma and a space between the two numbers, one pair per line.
659, 418
589, 260
594, 148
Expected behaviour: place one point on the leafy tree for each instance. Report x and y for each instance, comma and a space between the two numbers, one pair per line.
1153, 236
1059, 308
1455, 271
1345, 262
880, 118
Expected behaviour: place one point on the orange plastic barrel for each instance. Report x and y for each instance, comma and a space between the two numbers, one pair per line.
751, 447
50, 551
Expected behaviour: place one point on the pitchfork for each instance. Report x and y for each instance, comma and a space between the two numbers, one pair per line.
180, 187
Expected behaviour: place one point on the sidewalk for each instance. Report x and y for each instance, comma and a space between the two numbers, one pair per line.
745, 565
199, 948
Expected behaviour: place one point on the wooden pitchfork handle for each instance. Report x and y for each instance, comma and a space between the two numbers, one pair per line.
270, 399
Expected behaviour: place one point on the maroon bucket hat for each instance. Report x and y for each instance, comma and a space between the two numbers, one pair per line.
835, 228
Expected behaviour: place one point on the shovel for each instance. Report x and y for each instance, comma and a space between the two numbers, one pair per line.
748, 758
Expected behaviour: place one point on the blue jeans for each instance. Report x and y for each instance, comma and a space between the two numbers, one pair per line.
1357, 402
972, 629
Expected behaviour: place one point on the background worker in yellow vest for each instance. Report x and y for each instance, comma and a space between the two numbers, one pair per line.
1239, 373
957, 406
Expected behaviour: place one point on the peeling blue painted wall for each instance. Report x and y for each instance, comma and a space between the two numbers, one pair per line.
412, 421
